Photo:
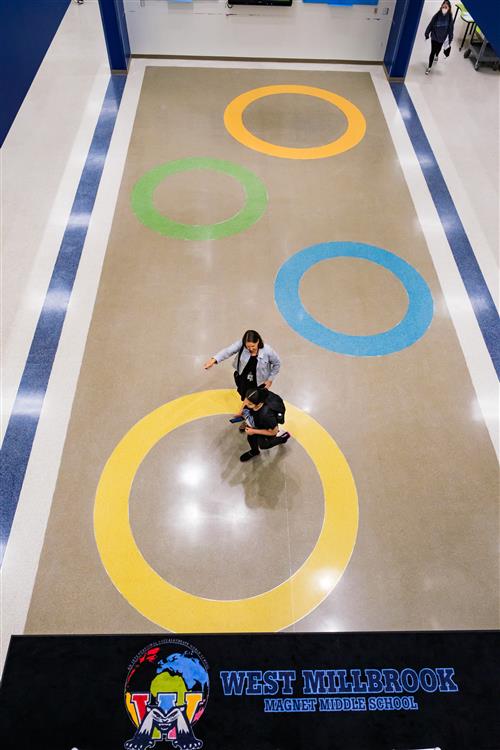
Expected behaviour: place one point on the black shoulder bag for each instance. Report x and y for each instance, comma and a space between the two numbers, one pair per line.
237, 371
277, 405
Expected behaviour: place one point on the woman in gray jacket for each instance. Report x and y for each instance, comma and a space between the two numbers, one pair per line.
255, 364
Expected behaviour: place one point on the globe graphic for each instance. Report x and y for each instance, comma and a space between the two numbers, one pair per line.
164, 677
183, 671
167, 683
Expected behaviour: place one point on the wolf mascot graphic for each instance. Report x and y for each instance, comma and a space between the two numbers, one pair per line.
156, 718
173, 692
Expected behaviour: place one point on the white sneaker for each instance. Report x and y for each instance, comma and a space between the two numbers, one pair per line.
427, 71
284, 434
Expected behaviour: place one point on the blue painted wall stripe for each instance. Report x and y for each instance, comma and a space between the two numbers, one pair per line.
402, 35
482, 302
23, 422
114, 25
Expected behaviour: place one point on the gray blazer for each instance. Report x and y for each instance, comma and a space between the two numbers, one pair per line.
268, 362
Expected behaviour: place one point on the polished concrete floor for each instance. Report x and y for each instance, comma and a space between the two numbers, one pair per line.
64, 102
426, 554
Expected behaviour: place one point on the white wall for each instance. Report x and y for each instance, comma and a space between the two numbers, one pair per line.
209, 27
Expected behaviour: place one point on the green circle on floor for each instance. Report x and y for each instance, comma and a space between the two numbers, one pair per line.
143, 206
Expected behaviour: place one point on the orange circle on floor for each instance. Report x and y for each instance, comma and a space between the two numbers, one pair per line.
354, 133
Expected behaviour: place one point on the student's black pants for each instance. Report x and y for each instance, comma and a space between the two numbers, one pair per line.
435, 50
257, 442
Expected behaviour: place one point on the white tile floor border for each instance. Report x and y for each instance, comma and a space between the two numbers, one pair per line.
26, 539
480, 366
25, 543
60, 111
472, 225
23, 327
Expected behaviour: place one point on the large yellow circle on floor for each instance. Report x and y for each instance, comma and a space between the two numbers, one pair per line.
179, 611
356, 123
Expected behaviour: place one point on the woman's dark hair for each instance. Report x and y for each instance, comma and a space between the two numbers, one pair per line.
256, 395
252, 337
446, 2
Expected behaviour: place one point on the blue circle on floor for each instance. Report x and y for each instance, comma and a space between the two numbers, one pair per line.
412, 327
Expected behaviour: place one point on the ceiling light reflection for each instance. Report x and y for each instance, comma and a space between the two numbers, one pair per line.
192, 474
78, 219
326, 579
191, 515
28, 404
56, 300
488, 409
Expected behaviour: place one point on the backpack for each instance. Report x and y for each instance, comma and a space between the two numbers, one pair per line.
277, 405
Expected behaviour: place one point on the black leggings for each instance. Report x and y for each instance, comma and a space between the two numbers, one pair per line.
435, 50
263, 442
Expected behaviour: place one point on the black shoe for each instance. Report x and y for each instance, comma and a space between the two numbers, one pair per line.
248, 455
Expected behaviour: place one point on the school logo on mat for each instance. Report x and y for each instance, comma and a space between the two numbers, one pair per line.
166, 693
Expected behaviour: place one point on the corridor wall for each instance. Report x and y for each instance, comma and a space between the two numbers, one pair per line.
302, 31
27, 28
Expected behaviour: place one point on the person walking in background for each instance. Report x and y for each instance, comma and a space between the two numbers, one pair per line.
256, 364
439, 29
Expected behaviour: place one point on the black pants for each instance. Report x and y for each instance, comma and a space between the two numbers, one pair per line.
435, 50
263, 442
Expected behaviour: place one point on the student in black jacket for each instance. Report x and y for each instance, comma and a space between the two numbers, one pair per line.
440, 27
262, 427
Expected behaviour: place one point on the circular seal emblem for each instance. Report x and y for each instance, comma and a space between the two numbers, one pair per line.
166, 693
